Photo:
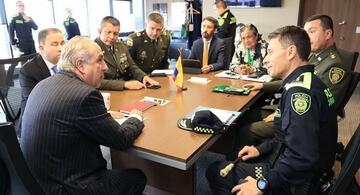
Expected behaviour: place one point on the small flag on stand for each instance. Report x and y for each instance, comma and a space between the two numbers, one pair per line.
178, 74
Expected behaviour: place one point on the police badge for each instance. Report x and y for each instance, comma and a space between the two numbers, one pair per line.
300, 102
336, 75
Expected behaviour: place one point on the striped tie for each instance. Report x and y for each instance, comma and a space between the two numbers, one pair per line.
55, 69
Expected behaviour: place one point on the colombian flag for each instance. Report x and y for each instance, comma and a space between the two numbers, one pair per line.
178, 74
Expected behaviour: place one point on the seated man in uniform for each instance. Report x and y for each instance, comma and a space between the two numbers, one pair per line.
305, 123
122, 72
150, 47
329, 68
209, 49
64, 123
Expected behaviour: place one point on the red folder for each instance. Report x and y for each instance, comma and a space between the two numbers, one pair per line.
142, 106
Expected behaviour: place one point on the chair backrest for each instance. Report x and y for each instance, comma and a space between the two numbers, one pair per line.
349, 166
349, 58
354, 80
21, 181
10, 91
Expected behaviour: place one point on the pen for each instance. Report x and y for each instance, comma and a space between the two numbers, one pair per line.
228, 120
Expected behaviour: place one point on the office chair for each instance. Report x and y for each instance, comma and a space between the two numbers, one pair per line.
10, 91
14, 171
349, 58
354, 80
346, 183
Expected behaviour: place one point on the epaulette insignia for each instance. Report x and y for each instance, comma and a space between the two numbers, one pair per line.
319, 58
336, 75
332, 56
300, 102
129, 42
138, 34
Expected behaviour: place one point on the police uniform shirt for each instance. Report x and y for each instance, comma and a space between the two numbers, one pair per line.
332, 71
22, 28
71, 27
304, 110
149, 54
227, 25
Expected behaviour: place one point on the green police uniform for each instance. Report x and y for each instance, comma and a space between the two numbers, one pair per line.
121, 67
149, 54
332, 71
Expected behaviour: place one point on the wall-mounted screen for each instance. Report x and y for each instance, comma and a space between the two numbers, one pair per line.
254, 3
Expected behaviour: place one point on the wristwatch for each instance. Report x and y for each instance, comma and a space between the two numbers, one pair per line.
262, 184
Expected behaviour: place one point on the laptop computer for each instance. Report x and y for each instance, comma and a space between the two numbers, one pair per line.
192, 66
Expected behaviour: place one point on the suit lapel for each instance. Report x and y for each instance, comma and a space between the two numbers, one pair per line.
107, 55
212, 47
44, 70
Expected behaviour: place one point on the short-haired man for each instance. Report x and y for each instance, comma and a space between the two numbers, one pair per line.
305, 124
21, 25
70, 24
329, 68
227, 27
150, 47
51, 41
122, 72
64, 123
209, 49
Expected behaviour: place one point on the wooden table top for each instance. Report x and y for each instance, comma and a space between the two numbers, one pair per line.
161, 136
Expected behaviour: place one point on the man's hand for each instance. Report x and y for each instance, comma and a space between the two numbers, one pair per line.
133, 85
116, 114
254, 86
269, 118
137, 113
248, 187
205, 69
248, 152
147, 79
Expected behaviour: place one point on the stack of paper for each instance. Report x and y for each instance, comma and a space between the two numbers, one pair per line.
199, 80
228, 74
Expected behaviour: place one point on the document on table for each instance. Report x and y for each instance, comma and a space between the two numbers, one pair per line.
200, 80
164, 71
263, 79
228, 74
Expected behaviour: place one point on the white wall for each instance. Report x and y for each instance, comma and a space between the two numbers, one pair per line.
265, 19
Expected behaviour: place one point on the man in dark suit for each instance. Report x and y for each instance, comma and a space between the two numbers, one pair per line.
209, 49
41, 66
64, 123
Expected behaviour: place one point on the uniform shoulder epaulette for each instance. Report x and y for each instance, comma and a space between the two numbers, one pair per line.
15, 15
304, 80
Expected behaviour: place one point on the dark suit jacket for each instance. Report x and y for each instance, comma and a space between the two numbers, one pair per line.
31, 74
64, 122
216, 52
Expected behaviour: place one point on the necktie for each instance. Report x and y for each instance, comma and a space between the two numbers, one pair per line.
205, 54
55, 69
113, 53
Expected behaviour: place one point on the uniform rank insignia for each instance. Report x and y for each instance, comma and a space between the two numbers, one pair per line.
143, 55
332, 56
336, 75
138, 34
300, 102
129, 42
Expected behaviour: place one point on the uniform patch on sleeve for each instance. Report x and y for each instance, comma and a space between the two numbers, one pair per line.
129, 42
300, 103
336, 75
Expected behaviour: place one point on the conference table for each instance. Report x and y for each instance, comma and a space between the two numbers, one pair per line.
163, 151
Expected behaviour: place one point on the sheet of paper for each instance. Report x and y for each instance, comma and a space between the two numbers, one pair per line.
226, 116
166, 71
228, 74
121, 120
199, 80
158, 101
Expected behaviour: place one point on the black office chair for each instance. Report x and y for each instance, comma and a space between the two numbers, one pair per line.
10, 91
354, 80
15, 173
346, 183
349, 58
